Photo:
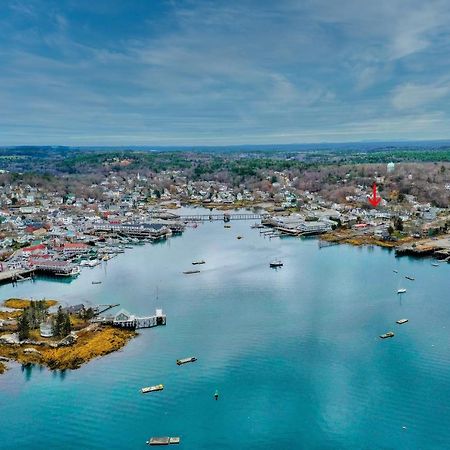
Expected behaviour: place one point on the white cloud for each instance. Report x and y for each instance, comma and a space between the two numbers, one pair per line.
410, 95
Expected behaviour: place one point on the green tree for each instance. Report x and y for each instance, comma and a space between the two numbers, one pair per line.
398, 224
66, 327
58, 323
23, 327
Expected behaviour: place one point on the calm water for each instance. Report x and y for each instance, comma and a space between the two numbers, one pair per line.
294, 352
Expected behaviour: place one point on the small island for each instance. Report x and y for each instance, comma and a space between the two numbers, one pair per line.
40, 332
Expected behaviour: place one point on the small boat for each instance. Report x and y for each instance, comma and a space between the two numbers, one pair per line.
409, 278
216, 394
239, 237
163, 440
198, 262
96, 282
401, 291
389, 334
186, 360
402, 321
158, 387
435, 264
227, 226
395, 271
187, 272
276, 263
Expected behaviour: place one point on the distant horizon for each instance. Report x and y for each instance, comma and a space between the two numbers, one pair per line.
261, 146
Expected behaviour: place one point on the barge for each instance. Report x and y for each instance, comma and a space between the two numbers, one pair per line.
163, 440
158, 387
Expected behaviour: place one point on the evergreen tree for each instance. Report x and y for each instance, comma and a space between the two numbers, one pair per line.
67, 327
58, 322
23, 327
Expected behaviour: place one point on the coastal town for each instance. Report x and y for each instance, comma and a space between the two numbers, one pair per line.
46, 233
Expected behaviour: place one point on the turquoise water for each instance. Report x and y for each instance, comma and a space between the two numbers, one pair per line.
294, 352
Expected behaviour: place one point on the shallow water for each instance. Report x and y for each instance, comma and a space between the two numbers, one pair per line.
294, 352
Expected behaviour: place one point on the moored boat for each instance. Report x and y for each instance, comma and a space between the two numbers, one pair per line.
389, 334
186, 360
158, 387
276, 263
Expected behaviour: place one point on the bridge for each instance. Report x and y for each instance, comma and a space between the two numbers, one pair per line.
226, 217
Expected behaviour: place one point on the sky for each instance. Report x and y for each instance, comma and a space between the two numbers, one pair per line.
200, 72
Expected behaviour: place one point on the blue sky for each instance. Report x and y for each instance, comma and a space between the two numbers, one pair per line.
185, 72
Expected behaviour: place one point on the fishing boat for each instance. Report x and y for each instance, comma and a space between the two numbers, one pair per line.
402, 321
188, 272
389, 334
401, 291
158, 387
198, 262
186, 360
276, 263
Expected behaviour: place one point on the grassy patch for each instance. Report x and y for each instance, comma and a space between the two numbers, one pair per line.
21, 303
90, 344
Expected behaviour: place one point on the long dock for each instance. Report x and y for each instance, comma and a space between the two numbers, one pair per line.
224, 217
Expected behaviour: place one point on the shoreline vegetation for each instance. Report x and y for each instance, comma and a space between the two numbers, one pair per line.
89, 341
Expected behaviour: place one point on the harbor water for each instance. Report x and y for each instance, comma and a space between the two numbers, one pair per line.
294, 352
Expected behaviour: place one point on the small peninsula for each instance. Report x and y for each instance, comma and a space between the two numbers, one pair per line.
41, 332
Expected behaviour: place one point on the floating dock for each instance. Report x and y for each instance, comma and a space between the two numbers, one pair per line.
186, 360
163, 440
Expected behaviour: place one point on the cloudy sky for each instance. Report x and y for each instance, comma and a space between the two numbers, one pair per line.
187, 72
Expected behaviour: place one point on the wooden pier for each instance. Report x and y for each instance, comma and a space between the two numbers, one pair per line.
15, 275
225, 217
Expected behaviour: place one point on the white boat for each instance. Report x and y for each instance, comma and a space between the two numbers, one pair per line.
93, 262
401, 291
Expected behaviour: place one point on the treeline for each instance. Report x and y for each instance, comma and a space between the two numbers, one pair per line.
37, 313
